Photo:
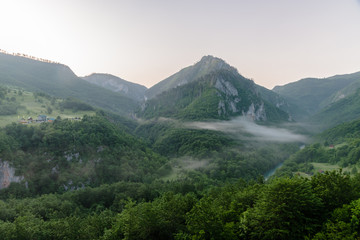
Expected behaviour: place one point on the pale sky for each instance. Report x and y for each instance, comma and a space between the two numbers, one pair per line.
144, 41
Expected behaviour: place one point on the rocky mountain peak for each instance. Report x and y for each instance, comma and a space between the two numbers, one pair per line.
206, 65
211, 63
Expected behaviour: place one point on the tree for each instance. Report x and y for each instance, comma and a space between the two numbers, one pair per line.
343, 224
334, 188
159, 219
287, 209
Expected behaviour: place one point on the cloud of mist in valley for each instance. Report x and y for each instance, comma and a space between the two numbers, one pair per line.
190, 163
245, 129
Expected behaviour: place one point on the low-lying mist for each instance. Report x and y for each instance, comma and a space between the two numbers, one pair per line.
245, 129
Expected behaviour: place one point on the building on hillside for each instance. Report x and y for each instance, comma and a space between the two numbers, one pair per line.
23, 121
41, 118
50, 119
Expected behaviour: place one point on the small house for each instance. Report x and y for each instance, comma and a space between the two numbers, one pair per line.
41, 118
23, 121
50, 119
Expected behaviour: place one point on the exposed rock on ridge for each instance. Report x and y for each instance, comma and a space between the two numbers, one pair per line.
116, 84
7, 175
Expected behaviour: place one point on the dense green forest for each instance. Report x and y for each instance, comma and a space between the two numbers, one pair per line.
85, 179
68, 154
324, 207
106, 177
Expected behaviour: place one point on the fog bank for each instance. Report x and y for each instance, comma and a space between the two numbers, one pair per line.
245, 129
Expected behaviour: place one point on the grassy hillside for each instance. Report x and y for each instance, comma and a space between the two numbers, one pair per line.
28, 104
58, 80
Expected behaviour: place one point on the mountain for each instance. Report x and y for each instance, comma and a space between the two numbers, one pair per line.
59, 80
295, 112
343, 110
220, 94
341, 133
313, 94
116, 84
205, 66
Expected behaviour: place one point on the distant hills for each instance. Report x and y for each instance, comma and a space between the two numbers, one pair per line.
209, 89
59, 80
343, 110
313, 94
116, 84
324, 102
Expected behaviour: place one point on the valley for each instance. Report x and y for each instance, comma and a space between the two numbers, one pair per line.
204, 154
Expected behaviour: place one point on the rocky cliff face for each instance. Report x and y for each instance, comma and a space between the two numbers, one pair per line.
231, 97
7, 175
116, 84
256, 111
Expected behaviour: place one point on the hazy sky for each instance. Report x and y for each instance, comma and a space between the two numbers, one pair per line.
270, 41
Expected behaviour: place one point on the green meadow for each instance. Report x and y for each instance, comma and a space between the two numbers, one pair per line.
31, 104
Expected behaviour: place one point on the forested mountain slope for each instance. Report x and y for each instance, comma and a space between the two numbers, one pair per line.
334, 148
313, 94
295, 112
53, 157
219, 95
343, 110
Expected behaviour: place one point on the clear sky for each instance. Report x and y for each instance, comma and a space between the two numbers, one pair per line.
144, 41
